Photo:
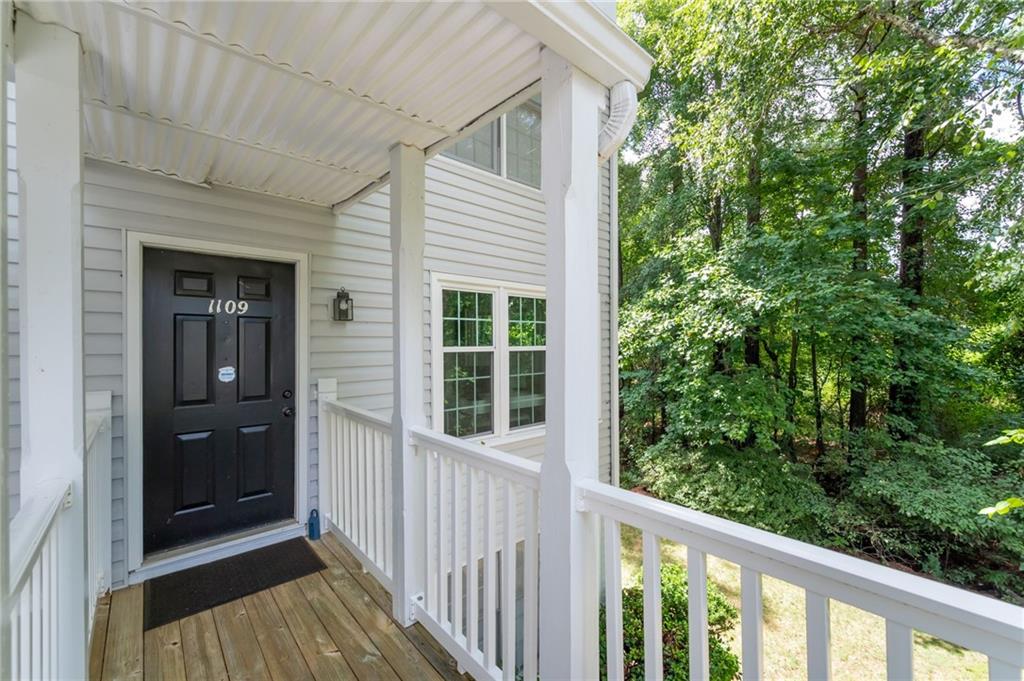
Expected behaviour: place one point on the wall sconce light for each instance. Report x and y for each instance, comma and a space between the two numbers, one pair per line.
343, 307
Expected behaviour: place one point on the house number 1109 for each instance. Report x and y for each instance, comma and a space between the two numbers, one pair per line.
229, 306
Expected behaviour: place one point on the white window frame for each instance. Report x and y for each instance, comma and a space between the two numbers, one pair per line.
500, 290
502, 171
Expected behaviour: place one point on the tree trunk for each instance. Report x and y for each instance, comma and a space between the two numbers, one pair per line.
716, 228
819, 437
903, 392
751, 342
794, 349
858, 382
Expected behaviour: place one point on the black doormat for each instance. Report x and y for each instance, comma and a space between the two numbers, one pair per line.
185, 593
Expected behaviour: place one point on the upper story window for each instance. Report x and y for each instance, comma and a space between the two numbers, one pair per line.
509, 146
492, 351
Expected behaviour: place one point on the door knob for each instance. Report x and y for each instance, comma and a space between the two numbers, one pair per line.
288, 412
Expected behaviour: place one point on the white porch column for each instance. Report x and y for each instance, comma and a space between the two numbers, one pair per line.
568, 540
407, 469
5, 497
47, 60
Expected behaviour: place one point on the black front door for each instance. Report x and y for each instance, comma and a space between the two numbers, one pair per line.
218, 388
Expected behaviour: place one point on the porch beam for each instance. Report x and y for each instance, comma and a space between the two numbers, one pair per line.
48, 62
568, 538
408, 223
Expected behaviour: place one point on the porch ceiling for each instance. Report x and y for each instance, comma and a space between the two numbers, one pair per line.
300, 101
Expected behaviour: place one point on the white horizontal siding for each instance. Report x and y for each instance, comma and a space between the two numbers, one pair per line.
477, 225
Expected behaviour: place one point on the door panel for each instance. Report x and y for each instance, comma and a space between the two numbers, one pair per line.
218, 360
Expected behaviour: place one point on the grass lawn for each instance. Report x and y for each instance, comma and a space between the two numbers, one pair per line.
858, 637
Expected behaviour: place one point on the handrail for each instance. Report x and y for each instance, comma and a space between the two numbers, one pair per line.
30, 526
968, 619
356, 414
522, 471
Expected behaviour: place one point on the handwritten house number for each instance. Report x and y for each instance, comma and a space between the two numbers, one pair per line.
229, 306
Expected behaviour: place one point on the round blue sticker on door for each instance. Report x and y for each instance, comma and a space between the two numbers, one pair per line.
226, 374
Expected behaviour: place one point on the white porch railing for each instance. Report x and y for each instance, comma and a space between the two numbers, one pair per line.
37, 594
98, 440
47, 585
481, 504
907, 602
355, 457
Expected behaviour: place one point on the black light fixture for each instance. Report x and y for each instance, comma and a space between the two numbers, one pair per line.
343, 307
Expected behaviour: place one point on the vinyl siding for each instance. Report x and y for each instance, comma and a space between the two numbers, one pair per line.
477, 225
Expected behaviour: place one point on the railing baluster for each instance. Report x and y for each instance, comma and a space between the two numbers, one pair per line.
382, 483
334, 452
613, 599
472, 574
388, 517
371, 494
37, 621
899, 651
508, 586
46, 671
819, 653
653, 665
431, 545
752, 619
490, 585
697, 581
456, 484
531, 585
442, 542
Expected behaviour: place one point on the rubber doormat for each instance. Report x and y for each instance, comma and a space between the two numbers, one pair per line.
185, 593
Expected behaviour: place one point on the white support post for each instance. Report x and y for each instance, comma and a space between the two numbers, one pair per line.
326, 389
408, 477
5, 500
569, 554
48, 61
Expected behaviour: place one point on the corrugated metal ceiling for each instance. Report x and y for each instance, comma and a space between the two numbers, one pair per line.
299, 100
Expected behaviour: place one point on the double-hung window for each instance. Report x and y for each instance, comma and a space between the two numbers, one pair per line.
508, 146
490, 352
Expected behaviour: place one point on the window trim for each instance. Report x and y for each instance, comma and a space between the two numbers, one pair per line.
501, 290
502, 172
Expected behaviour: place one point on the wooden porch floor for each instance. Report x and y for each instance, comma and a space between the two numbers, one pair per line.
334, 624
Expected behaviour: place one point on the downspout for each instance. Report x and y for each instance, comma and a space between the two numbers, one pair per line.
613, 316
621, 116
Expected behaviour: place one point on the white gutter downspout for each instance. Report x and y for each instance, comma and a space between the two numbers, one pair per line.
621, 116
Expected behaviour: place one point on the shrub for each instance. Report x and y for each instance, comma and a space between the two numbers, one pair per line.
675, 630
756, 488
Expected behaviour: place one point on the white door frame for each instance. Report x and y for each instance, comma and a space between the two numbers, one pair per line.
138, 569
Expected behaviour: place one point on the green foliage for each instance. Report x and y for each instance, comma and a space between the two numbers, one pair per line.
769, 204
744, 485
675, 629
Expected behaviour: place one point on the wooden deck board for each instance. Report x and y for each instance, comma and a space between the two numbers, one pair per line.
242, 655
333, 625
99, 638
417, 635
122, 659
204, 660
163, 655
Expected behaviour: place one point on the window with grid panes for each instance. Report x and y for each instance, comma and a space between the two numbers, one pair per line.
493, 375
522, 150
516, 135
526, 340
468, 330
481, 149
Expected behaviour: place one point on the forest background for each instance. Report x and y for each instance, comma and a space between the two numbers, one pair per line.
822, 274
